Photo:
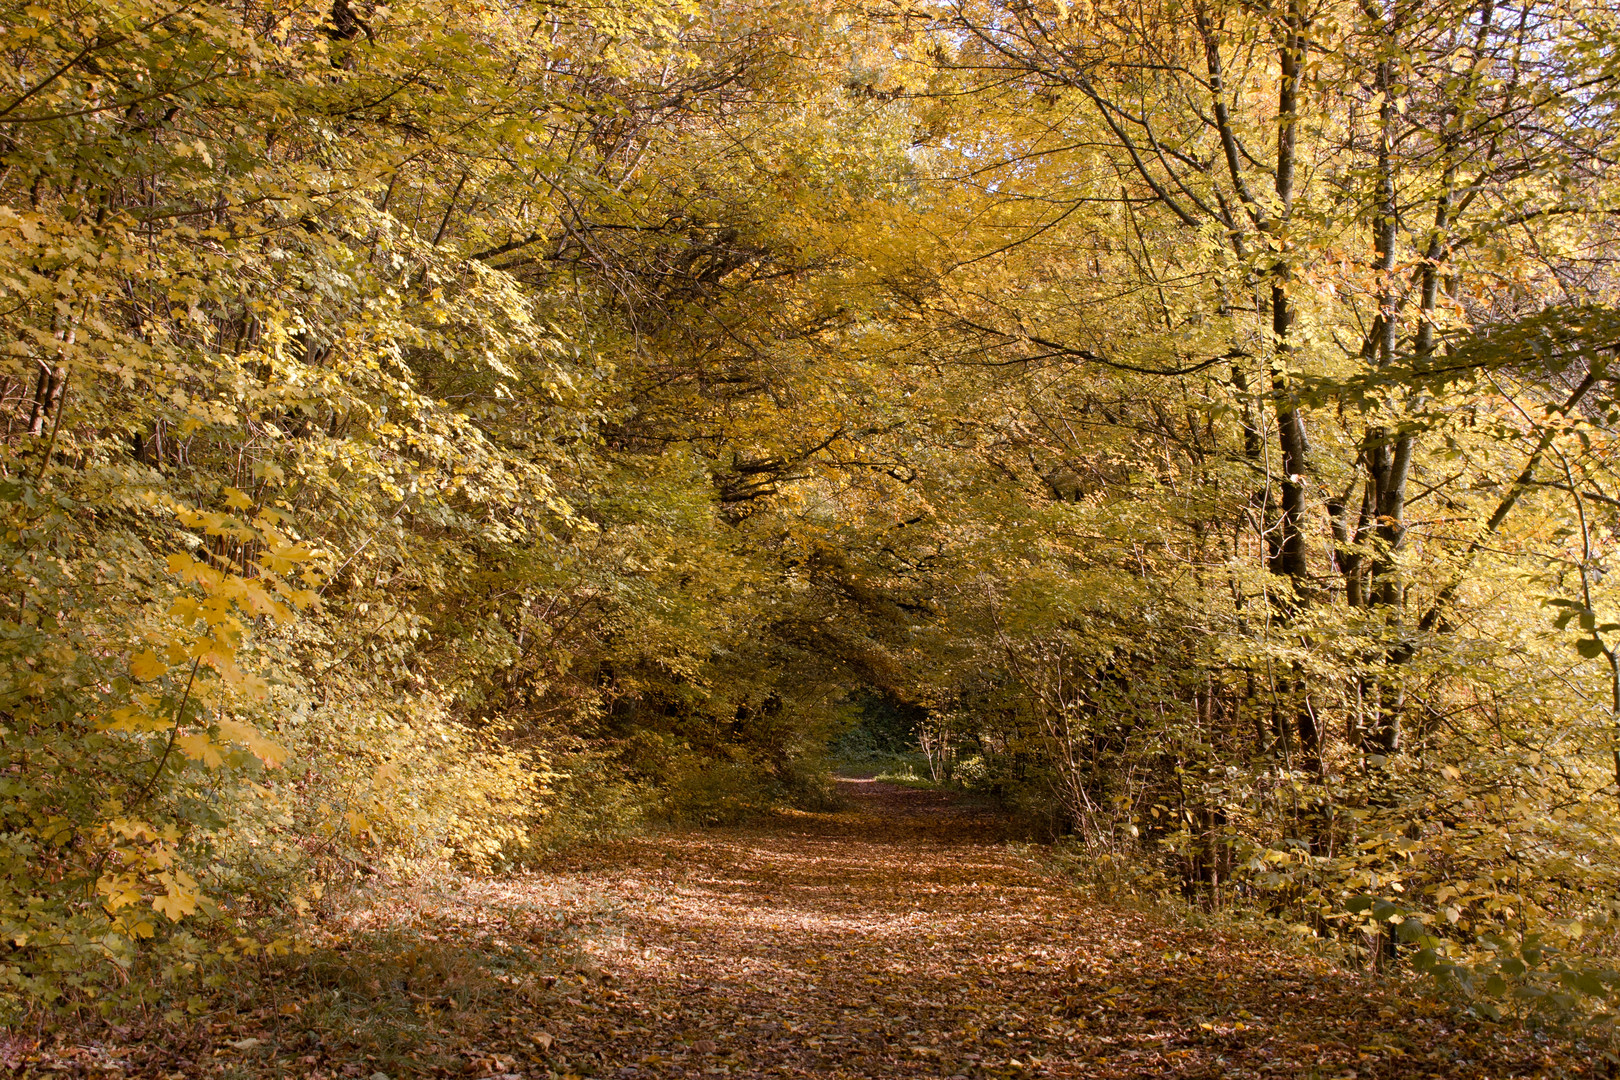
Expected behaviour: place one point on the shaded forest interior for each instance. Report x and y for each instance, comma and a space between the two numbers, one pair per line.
438, 436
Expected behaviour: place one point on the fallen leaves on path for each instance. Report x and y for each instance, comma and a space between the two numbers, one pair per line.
900, 937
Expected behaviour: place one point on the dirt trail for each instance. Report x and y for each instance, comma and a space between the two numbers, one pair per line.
903, 937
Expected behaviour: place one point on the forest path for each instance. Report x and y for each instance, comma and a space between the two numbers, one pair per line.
903, 937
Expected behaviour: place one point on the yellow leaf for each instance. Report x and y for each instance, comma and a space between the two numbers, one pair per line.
202, 748
266, 750
147, 665
132, 718
117, 891
237, 500
181, 898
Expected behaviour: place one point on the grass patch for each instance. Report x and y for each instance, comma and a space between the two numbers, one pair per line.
896, 766
908, 777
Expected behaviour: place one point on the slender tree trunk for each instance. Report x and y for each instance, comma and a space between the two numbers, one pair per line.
1291, 556
1290, 559
47, 392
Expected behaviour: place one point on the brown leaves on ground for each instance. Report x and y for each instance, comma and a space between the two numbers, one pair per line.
900, 937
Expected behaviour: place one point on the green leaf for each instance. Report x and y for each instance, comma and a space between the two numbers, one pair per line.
1586, 982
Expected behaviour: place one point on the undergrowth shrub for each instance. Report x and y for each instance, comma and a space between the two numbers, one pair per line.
719, 793
1425, 868
594, 797
163, 803
130, 733
376, 782
806, 782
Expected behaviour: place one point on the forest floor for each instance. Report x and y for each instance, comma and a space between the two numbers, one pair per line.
901, 936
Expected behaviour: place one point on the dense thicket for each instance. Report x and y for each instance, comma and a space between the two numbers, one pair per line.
439, 431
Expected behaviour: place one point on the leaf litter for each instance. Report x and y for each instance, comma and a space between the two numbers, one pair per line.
900, 936
905, 937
